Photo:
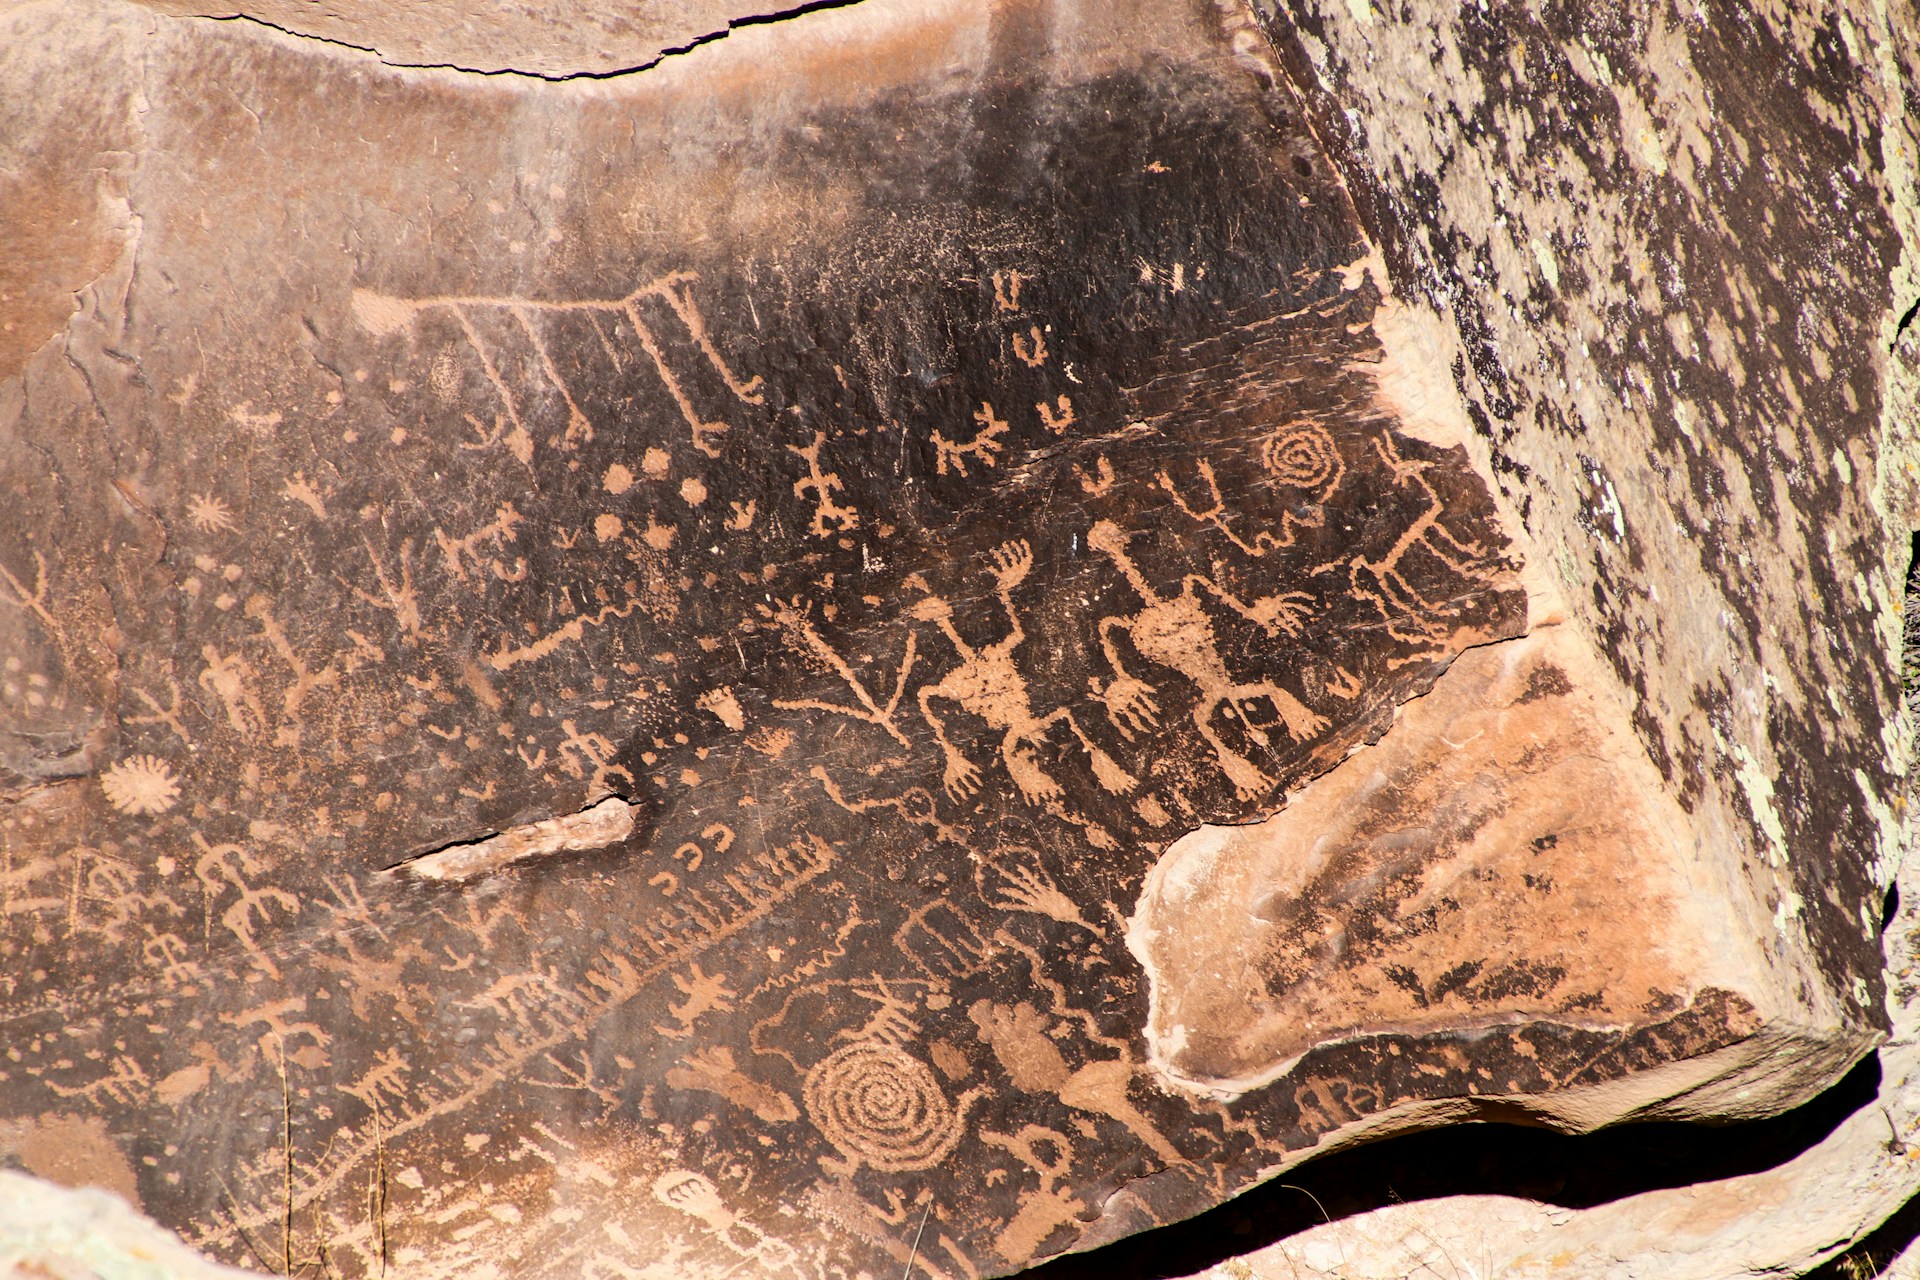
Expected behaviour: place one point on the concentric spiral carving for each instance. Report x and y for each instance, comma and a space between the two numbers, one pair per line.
1302, 455
881, 1105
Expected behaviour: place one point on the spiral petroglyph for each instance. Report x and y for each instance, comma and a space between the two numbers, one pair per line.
882, 1106
1302, 455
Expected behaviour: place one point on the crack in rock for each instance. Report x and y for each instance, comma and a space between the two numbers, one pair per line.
612, 73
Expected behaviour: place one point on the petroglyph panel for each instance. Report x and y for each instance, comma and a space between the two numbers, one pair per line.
616, 659
1456, 875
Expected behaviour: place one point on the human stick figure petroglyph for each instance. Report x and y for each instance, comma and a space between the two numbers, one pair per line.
1179, 635
260, 609
705, 993
382, 314
989, 684
224, 866
829, 517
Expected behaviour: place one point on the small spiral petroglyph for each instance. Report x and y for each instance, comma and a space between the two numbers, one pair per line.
882, 1106
1302, 455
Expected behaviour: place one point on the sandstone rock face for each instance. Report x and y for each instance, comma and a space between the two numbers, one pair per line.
88, 1234
925, 636
548, 41
1782, 1220
1669, 243
1512, 896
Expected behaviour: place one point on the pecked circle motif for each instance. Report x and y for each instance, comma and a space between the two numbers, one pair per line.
879, 1104
1302, 455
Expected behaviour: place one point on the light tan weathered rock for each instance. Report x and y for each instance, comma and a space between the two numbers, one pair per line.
54, 1232
1458, 873
1782, 1221
544, 39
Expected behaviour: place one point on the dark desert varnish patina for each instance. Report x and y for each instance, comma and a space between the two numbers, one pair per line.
621, 708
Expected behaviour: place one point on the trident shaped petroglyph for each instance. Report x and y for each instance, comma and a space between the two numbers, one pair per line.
796, 627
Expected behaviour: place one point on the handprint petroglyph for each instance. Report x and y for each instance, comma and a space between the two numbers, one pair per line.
988, 683
1179, 635
1026, 886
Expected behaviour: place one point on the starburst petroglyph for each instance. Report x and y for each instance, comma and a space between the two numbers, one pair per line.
141, 785
208, 514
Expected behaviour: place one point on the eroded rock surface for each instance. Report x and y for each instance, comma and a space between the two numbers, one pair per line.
541, 39
1457, 875
612, 676
1670, 242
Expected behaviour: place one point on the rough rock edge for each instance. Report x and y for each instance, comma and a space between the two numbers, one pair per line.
1837, 1192
48, 1230
550, 77
1781, 1221
1783, 1066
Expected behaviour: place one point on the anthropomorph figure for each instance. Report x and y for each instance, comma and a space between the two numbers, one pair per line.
989, 684
1178, 634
